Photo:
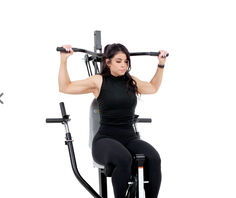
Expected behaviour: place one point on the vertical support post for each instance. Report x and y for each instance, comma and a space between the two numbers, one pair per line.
97, 41
97, 46
102, 183
140, 158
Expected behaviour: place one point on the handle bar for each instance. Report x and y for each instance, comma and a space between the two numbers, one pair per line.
144, 120
61, 49
54, 120
64, 118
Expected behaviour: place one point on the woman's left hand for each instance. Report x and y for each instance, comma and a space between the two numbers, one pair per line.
162, 57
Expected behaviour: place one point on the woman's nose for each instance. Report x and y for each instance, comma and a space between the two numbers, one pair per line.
124, 65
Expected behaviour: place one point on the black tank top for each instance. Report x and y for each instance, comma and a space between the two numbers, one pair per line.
116, 105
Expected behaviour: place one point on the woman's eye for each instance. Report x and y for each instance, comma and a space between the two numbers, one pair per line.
120, 62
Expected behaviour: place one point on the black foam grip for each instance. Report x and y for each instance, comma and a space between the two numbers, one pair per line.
157, 54
63, 110
62, 49
144, 120
54, 120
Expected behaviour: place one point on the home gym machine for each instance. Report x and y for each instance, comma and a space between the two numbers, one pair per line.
136, 184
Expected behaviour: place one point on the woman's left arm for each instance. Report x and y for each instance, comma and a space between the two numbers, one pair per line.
152, 86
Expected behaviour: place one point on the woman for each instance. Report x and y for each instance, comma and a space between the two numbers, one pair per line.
115, 90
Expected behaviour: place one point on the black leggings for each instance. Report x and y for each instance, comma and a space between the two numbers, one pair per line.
116, 145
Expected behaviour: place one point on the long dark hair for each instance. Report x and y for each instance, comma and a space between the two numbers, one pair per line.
109, 52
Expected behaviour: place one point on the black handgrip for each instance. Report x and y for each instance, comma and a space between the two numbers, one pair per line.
62, 49
146, 53
63, 110
54, 120
157, 54
144, 120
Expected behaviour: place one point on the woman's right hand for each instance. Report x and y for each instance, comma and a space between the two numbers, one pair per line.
64, 55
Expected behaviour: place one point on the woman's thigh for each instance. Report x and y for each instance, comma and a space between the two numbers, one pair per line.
139, 146
108, 150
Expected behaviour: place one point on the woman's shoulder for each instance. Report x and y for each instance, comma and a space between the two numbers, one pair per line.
98, 80
134, 77
98, 77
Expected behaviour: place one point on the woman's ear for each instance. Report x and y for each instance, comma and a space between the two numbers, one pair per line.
108, 62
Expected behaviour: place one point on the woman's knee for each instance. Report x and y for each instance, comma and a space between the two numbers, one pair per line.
154, 157
124, 160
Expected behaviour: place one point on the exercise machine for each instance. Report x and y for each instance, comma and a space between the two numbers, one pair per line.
136, 184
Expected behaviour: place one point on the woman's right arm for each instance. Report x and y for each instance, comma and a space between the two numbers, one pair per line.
87, 85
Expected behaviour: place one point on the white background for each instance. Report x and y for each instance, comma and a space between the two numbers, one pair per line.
193, 112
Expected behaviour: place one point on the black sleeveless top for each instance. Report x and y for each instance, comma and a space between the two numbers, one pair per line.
116, 105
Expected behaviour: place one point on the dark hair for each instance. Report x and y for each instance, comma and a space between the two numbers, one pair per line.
109, 52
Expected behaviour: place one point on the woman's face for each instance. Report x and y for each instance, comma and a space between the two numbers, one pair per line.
118, 64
